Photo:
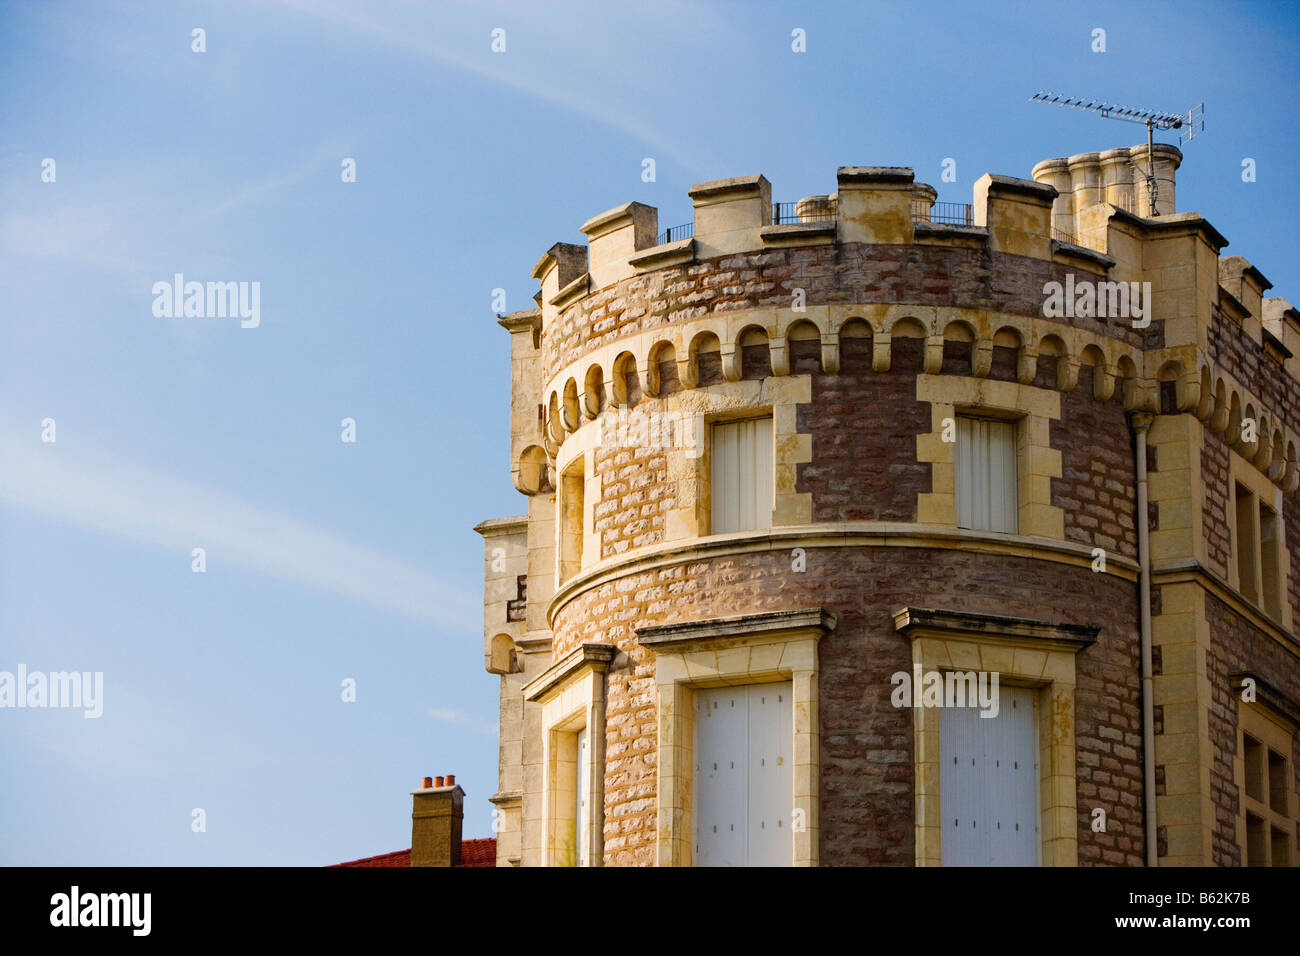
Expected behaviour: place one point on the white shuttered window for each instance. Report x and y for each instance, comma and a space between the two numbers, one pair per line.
986, 475
744, 775
741, 476
988, 783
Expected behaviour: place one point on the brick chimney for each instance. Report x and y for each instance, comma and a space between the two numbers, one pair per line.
436, 821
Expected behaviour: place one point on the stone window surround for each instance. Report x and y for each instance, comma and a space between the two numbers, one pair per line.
688, 468
1023, 653
1242, 472
1033, 410
749, 649
572, 695
1273, 719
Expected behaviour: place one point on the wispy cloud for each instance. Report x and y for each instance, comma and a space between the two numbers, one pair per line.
92, 234
327, 153
458, 718
593, 95
118, 497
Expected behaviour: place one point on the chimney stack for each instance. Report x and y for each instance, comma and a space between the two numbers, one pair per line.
436, 819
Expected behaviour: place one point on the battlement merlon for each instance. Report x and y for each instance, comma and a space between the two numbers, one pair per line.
1088, 209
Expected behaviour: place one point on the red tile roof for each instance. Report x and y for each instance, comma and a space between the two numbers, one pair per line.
472, 853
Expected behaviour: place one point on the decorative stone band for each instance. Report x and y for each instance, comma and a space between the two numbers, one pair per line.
832, 534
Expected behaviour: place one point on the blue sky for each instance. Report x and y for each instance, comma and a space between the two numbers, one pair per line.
328, 560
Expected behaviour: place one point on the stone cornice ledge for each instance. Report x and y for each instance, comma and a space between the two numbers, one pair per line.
595, 656
661, 636
574, 290
916, 621
1190, 569
836, 535
796, 231
1269, 696
1075, 251
668, 254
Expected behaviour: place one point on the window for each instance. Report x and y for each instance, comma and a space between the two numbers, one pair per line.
1257, 539
996, 791
744, 775
986, 475
570, 773
1267, 818
572, 495
989, 783
571, 693
741, 478
767, 664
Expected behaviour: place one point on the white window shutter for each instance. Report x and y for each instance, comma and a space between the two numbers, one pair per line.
986, 475
743, 790
741, 476
989, 783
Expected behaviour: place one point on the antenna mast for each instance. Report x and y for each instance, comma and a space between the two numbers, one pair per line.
1192, 122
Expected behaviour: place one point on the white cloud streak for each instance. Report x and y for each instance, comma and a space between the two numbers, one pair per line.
458, 718
592, 95
120, 498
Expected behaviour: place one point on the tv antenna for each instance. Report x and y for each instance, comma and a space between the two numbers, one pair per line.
1192, 123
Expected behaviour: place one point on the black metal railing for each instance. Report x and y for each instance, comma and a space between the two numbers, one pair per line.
1060, 235
786, 213
673, 233
948, 213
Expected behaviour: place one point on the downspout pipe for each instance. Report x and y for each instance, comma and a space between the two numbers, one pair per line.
1141, 423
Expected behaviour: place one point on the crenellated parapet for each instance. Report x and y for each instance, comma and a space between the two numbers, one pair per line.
880, 259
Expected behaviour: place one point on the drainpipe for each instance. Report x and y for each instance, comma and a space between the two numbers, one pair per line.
1141, 422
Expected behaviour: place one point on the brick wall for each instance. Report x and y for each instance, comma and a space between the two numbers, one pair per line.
867, 776
635, 492
864, 426
828, 274
1240, 356
1216, 476
1097, 485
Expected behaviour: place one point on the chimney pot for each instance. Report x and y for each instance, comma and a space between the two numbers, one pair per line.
437, 813
428, 782
451, 780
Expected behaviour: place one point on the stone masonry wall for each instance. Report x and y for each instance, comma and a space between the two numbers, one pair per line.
864, 426
829, 274
1216, 477
1097, 488
867, 760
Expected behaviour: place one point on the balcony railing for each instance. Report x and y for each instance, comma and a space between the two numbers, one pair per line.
673, 233
788, 213
947, 213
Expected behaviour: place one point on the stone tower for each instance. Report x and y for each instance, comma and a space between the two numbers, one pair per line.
790, 468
